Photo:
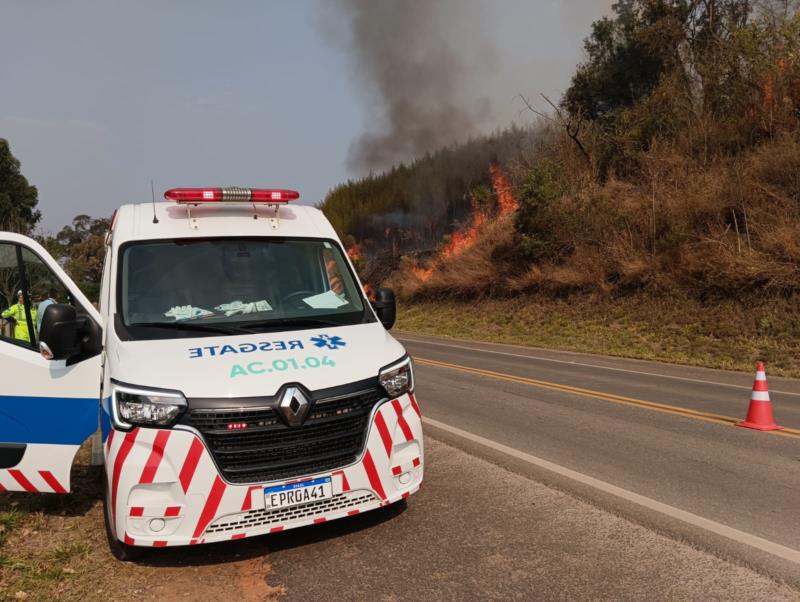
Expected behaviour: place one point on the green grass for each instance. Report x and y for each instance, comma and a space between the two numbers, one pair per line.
65, 553
9, 519
728, 334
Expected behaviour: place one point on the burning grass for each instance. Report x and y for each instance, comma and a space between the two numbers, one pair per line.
709, 232
482, 226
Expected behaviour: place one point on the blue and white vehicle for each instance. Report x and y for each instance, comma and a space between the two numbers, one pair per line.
239, 378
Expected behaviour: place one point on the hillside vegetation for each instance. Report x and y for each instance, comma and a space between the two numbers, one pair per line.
670, 169
684, 168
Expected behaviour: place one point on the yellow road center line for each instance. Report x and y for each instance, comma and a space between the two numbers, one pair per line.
619, 399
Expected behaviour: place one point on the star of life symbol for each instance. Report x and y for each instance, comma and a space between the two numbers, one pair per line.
327, 341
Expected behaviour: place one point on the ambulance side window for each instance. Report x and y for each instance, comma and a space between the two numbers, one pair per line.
27, 287
44, 288
10, 285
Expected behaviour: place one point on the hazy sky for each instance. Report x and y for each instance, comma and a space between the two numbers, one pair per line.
99, 97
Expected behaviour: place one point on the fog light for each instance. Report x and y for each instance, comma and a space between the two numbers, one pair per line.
404, 478
157, 524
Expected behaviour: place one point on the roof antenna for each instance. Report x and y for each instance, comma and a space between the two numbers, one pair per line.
153, 194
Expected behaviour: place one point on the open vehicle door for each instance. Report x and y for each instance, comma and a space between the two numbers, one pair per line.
48, 407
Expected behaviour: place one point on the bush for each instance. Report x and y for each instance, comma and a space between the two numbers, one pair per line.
536, 218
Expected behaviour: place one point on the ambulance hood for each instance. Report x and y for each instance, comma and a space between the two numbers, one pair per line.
256, 365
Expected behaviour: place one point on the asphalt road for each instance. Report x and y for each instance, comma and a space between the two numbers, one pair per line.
595, 415
475, 531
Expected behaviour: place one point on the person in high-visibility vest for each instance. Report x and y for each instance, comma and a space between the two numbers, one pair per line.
18, 314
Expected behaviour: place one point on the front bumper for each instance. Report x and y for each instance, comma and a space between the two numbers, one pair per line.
165, 489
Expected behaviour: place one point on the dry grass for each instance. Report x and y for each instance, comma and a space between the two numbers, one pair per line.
717, 286
478, 271
54, 548
729, 334
720, 230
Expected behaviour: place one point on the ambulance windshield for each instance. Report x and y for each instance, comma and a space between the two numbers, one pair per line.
202, 287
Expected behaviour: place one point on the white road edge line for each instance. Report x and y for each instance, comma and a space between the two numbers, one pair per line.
692, 519
555, 361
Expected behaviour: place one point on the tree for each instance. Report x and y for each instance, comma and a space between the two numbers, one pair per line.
80, 249
624, 63
674, 69
18, 199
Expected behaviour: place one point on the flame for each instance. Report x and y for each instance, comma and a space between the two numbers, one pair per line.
423, 274
354, 253
505, 195
463, 240
369, 291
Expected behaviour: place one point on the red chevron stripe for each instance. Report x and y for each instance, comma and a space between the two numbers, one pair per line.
23, 481
414, 404
190, 464
154, 460
384, 433
52, 481
247, 504
119, 461
210, 509
372, 475
109, 439
401, 420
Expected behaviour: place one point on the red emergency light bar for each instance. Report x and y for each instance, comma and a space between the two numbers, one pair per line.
230, 195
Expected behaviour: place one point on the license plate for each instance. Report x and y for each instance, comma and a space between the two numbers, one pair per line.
293, 494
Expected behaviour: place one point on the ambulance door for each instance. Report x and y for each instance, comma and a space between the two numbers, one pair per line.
48, 408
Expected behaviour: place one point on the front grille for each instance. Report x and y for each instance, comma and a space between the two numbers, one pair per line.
332, 436
280, 516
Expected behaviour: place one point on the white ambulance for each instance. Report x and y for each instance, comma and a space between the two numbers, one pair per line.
241, 381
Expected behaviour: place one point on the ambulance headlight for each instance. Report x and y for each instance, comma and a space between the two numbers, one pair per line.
398, 378
136, 406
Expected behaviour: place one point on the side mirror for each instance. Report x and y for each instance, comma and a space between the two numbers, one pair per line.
59, 333
386, 307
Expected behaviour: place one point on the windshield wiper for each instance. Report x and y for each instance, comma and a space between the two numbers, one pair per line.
190, 326
282, 322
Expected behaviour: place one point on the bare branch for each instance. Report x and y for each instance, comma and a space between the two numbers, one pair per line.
530, 108
572, 130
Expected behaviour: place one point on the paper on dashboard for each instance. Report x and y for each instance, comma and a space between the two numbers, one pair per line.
328, 300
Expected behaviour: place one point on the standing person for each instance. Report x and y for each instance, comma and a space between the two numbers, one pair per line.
47, 301
18, 313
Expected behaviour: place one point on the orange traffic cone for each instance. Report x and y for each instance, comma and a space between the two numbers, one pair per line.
759, 414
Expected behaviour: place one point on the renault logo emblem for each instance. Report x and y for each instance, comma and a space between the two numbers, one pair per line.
294, 406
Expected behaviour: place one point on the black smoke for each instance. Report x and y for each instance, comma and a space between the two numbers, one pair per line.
419, 65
